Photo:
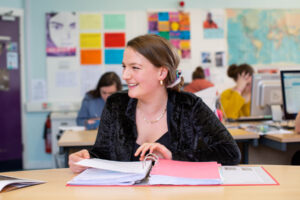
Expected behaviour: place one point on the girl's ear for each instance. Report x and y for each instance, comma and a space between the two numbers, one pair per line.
163, 72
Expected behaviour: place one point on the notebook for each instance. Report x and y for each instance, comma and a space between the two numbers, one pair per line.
8, 183
148, 172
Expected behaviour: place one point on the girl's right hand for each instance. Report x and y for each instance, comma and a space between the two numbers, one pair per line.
75, 157
242, 81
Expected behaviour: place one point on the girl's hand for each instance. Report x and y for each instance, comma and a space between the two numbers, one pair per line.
75, 157
242, 81
160, 150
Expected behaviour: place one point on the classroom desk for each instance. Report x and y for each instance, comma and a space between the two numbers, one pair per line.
280, 141
85, 139
55, 188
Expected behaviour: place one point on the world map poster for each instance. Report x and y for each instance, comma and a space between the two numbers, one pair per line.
263, 36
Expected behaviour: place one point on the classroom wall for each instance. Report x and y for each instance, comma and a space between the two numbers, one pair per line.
35, 66
12, 3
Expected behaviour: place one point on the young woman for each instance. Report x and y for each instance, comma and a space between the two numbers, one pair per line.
153, 116
236, 101
94, 100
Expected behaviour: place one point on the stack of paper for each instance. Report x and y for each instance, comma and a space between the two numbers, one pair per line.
106, 172
13, 183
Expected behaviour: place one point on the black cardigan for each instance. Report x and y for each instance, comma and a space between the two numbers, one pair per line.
196, 134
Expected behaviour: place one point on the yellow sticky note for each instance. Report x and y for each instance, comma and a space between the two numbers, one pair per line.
90, 21
163, 26
174, 26
90, 40
185, 44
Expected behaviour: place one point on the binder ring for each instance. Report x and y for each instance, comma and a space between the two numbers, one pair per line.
150, 156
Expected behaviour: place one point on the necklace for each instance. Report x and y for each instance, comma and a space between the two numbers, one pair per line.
157, 119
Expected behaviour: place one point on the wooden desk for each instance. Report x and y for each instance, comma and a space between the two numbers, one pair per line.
86, 139
280, 141
55, 188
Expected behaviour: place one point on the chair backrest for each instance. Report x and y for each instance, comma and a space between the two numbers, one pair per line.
209, 96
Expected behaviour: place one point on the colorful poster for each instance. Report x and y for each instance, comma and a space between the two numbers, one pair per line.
90, 57
90, 22
206, 57
173, 26
114, 56
90, 40
213, 25
220, 58
12, 60
114, 39
62, 34
114, 21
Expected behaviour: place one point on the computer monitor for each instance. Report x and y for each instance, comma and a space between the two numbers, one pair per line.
266, 96
290, 81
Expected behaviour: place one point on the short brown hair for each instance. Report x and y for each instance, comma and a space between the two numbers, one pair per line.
160, 53
198, 73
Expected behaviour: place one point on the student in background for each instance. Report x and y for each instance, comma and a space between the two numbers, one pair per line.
296, 157
199, 82
153, 116
297, 123
235, 101
94, 100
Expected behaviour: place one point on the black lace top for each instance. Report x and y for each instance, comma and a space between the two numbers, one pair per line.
164, 140
196, 134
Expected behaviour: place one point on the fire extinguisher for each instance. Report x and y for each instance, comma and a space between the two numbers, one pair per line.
47, 134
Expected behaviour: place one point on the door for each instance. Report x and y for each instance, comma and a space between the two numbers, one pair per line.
10, 94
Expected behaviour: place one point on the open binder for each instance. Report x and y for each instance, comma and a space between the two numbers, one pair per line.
151, 171
154, 171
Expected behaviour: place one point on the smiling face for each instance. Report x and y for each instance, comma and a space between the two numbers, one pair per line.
142, 77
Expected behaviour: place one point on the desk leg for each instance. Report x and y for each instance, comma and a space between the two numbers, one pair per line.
245, 153
66, 150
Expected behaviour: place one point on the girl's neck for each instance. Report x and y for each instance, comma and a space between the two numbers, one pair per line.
154, 103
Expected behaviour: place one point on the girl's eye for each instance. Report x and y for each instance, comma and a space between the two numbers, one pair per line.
135, 67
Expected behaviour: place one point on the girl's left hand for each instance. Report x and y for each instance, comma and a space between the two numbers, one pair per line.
160, 150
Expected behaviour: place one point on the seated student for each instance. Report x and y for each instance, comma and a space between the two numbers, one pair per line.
199, 82
153, 116
94, 100
296, 157
235, 101
297, 123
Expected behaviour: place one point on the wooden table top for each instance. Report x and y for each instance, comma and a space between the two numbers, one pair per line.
55, 188
284, 138
88, 138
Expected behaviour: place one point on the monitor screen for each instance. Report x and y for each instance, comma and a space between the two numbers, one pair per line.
290, 81
266, 92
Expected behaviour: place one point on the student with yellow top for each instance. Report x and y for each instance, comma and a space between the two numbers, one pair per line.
236, 101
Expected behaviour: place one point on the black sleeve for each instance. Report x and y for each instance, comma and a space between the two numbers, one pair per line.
103, 145
212, 141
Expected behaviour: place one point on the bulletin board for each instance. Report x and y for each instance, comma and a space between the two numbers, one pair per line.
81, 46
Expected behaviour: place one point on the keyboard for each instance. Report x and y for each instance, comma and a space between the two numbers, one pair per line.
251, 119
286, 124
